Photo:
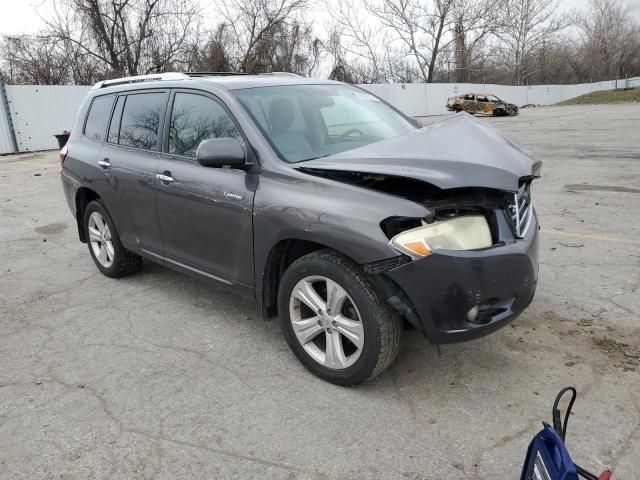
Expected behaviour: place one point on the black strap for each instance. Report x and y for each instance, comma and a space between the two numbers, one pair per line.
561, 427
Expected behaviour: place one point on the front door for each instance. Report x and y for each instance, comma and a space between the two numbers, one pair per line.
205, 214
484, 105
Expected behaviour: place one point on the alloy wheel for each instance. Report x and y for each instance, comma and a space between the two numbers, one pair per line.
326, 322
100, 238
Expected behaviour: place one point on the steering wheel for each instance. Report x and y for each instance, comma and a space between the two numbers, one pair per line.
352, 131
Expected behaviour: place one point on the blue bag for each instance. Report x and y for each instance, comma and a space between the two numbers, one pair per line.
547, 456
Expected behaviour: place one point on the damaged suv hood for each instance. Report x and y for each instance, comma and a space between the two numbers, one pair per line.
460, 151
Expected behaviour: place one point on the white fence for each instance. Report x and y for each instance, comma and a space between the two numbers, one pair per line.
421, 99
39, 112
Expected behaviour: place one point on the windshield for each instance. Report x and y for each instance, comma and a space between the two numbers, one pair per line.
304, 122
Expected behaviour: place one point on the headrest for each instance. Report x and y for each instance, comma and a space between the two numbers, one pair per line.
281, 113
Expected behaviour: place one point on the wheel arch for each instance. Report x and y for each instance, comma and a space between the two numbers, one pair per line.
279, 258
84, 196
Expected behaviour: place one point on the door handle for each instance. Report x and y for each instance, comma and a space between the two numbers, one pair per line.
164, 177
104, 163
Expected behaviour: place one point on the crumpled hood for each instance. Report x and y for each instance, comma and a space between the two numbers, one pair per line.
460, 151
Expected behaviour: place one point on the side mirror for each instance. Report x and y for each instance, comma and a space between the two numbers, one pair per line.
219, 152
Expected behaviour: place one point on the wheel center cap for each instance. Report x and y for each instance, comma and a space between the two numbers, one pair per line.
326, 320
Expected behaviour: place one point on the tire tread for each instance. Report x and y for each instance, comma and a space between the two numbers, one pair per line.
387, 320
125, 262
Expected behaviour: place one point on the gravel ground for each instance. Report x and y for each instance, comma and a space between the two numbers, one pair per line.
162, 376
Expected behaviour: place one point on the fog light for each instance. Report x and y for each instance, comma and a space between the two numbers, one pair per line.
472, 315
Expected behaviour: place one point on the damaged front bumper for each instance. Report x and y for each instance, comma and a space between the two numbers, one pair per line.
455, 296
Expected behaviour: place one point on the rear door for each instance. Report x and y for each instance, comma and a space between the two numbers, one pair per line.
205, 214
130, 162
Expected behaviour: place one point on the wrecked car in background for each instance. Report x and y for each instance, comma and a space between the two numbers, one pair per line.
333, 210
481, 103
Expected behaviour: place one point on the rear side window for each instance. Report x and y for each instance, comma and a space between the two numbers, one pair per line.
195, 118
95, 127
140, 122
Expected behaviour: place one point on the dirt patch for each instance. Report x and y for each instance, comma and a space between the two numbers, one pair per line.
20, 157
52, 228
573, 187
627, 357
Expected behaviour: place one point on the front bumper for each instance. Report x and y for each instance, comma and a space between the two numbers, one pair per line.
512, 110
443, 287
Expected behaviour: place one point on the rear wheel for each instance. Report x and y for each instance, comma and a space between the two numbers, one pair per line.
107, 252
334, 320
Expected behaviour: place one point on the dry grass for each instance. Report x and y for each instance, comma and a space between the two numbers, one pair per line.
606, 96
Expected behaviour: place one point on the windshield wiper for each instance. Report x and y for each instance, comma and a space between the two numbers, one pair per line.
314, 158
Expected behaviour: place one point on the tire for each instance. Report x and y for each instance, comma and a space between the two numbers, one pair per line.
357, 309
117, 261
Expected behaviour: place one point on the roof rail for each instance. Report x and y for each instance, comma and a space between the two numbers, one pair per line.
282, 74
140, 78
213, 74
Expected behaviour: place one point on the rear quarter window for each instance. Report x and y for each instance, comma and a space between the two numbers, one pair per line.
95, 126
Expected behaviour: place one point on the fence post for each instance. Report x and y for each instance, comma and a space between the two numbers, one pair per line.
7, 113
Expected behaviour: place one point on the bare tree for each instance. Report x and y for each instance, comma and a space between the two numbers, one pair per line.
212, 54
130, 36
500, 41
360, 39
526, 26
473, 21
34, 59
611, 39
421, 27
347, 66
287, 47
253, 23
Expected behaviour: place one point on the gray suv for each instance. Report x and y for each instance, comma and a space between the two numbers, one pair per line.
333, 210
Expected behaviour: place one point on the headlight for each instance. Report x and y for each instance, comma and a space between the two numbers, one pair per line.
461, 233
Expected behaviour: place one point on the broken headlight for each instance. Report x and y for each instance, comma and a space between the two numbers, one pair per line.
468, 232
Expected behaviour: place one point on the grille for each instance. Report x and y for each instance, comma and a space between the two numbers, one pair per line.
521, 210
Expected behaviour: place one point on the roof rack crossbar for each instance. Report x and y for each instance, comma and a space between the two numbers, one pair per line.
140, 78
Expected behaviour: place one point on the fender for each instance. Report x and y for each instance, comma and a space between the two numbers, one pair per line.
340, 216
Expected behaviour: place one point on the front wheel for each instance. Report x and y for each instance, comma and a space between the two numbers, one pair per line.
334, 320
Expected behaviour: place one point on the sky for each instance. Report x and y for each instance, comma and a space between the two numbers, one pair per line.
23, 16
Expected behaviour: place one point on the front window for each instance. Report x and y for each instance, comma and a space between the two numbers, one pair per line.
195, 118
304, 122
